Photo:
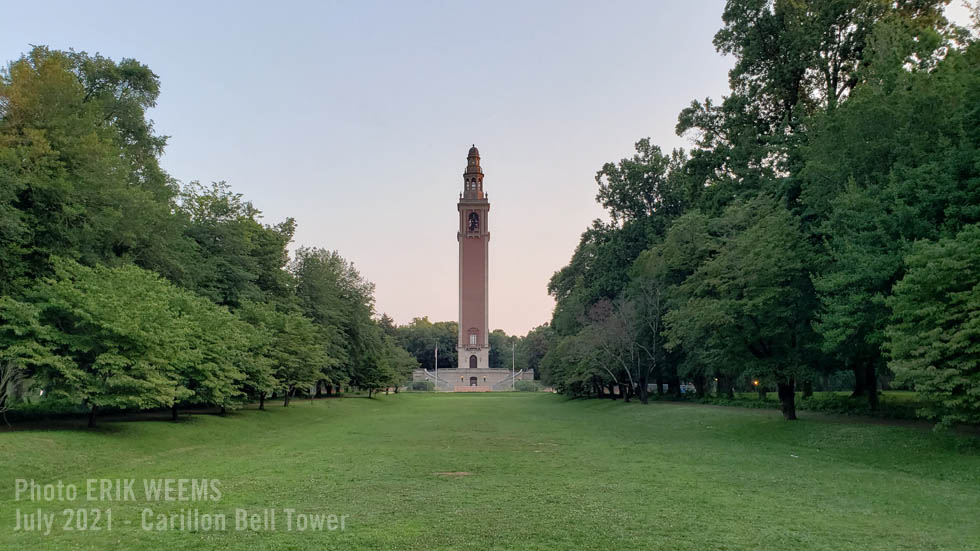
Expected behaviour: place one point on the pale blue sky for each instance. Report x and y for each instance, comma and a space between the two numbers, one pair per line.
355, 118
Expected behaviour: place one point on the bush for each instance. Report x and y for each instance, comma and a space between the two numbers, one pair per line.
425, 386
893, 404
527, 386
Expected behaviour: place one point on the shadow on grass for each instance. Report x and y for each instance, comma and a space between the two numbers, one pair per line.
78, 420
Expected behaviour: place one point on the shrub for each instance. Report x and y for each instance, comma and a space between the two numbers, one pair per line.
527, 386
426, 386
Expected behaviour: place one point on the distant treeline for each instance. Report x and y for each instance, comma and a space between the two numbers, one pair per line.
123, 289
824, 220
421, 336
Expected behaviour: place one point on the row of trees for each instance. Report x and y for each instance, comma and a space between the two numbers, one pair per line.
123, 289
420, 337
825, 220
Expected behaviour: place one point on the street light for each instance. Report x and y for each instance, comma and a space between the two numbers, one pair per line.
513, 348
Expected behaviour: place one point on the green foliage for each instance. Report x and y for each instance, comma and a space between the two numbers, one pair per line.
771, 250
239, 259
643, 186
108, 335
424, 386
502, 347
211, 354
341, 302
893, 404
77, 158
297, 352
533, 347
934, 338
89, 223
421, 336
527, 386
400, 362
748, 303
11, 382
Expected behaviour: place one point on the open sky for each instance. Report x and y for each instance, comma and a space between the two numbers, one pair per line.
354, 118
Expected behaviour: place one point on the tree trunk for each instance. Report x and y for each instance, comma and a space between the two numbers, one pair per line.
673, 382
660, 383
725, 387
91, 417
387, 388
622, 392
700, 384
807, 389
319, 389
221, 411
859, 382
287, 394
173, 412
641, 390
787, 399
871, 386
762, 392
262, 400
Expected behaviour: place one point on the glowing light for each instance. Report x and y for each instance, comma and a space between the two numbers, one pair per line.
756, 383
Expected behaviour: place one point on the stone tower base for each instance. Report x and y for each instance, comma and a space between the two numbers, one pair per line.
482, 357
461, 380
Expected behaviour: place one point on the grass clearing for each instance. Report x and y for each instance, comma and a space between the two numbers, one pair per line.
517, 470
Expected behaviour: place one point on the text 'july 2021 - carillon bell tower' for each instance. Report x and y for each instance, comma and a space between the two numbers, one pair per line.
474, 244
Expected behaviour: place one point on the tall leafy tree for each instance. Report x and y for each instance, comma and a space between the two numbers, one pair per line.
259, 365
420, 338
113, 332
533, 347
643, 186
501, 346
77, 160
209, 361
238, 258
749, 302
895, 163
934, 336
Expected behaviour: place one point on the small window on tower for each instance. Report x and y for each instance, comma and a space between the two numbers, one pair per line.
473, 339
474, 223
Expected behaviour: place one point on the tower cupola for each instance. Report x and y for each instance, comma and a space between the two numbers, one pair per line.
473, 176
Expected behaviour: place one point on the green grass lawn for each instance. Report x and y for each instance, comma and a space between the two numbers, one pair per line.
544, 473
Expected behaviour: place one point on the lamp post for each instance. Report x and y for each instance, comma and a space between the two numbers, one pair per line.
437, 367
513, 360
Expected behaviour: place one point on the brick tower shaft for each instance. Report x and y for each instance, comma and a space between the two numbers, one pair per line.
474, 240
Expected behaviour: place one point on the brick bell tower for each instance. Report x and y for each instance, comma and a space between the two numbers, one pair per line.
474, 244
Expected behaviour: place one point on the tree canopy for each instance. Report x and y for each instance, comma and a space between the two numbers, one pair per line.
795, 238
124, 289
